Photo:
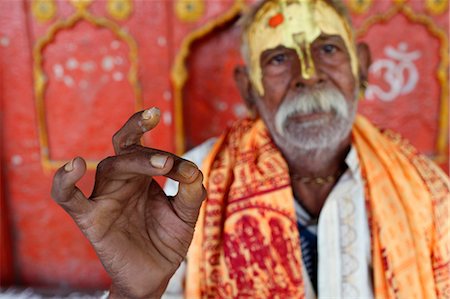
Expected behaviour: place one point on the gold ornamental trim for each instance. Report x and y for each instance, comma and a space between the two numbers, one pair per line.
179, 73
81, 4
43, 10
189, 10
436, 7
40, 78
441, 146
119, 9
399, 2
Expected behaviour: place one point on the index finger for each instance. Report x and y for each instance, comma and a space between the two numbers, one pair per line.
132, 131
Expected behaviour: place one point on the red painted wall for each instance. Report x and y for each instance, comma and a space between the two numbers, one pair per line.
88, 96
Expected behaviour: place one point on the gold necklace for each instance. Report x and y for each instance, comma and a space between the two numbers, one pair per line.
318, 180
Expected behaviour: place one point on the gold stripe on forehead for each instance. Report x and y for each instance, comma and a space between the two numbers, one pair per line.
295, 24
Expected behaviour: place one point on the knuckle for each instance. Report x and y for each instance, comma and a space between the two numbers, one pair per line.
106, 164
132, 148
116, 138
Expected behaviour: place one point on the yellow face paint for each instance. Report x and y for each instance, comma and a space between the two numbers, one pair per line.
295, 24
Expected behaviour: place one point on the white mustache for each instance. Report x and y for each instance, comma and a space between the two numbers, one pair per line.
311, 101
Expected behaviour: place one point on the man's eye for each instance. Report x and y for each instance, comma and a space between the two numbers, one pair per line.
278, 59
329, 49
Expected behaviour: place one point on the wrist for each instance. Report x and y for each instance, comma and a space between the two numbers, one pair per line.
116, 293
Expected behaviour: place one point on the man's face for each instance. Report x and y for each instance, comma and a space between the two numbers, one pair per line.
303, 68
294, 24
313, 113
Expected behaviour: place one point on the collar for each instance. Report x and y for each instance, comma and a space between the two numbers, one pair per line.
352, 173
352, 163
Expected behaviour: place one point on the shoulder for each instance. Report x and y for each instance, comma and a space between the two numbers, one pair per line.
434, 178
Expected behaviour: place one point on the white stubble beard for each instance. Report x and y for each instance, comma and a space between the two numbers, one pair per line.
321, 134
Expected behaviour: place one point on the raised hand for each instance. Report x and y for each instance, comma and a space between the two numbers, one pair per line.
140, 234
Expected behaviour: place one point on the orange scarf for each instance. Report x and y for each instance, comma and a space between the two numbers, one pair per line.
247, 243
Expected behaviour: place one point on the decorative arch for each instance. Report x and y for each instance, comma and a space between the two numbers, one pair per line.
40, 79
179, 73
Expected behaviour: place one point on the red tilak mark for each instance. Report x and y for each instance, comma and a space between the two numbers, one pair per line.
276, 20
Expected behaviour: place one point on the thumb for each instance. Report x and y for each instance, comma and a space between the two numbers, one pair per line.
64, 190
189, 199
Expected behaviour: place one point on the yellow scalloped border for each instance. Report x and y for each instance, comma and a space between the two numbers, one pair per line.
442, 75
179, 72
360, 7
40, 78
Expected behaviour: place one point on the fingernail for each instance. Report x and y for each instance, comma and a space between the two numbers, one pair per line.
158, 161
69, 166
150, 113
187, 169
149, 119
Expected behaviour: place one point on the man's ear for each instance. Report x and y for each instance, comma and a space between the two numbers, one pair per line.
365, 60
245, 87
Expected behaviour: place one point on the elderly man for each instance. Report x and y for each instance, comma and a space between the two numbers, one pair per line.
305, 199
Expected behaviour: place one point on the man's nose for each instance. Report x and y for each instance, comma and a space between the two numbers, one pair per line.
299, 80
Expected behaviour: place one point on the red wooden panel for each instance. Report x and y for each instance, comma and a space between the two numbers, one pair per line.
212, 100
6, 255
83, 109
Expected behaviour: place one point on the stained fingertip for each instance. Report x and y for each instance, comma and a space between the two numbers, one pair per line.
149, 119
150, 113
189, 198
187, 169
142, 126
77, 166
79, 162
199, 177
69, 166
66, 177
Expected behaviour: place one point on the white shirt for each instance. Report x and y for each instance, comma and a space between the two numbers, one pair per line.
343, 239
